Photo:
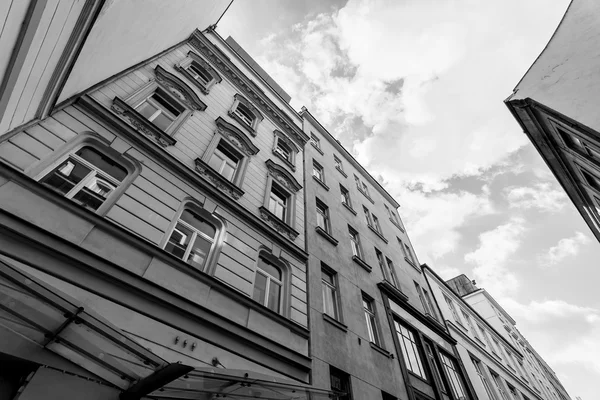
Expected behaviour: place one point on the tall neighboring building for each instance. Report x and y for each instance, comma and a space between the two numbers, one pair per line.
500, 362
556, 103
375, 331
152, 241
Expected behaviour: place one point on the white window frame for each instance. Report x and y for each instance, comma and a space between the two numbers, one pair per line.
323, 211
355, 242
371, 319
333, 291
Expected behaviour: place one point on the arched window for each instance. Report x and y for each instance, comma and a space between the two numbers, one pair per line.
268, 284
193, 237
199, 71
245, 113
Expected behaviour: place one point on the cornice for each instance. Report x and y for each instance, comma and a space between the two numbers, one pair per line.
221, 62
170, 163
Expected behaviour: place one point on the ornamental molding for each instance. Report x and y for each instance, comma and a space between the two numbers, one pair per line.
141, 124
282, 176
236, 137
285, 139
277, 224
202, 62
250, 106
179, 89
217, 180
213, 54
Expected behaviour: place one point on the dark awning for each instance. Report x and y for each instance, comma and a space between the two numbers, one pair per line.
44, 315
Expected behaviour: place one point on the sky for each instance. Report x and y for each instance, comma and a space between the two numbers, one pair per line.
414, 89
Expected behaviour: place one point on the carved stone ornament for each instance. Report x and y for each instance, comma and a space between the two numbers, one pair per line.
236, 137
141, 124
283, 177
218, 180
179, 89
278, 224
283, 137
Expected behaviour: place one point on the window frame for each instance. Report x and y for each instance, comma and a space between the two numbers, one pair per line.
408, 255
196, 61
479, 369
315, 142
284, 282
372, 324
95, 141
323, 210
355, 244
345, 380
333, 290
251, 126
416, 349
281, 141
318, 172
499, 385
450, 364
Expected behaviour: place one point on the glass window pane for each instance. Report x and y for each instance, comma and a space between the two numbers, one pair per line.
66, 176
146, 109
228, 171
93, 194
166, 103
162, 121
269, 268
179, 240
199, 252
274, 292
198, 223
260, 286
216, 161
104, 163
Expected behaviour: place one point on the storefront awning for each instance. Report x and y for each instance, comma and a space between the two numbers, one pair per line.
44, 315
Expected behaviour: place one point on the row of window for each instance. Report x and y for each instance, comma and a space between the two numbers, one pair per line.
482, 336
504, 389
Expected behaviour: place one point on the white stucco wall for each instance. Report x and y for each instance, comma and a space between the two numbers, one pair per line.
130, 31
566, 76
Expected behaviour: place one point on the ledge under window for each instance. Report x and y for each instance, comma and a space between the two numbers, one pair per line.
380, 349
141, 124
277, 224
392, 291
326, 235
478, 340
285, 161
363, 264
320, 182
335, 322
349, 208
397, 225
218, 180
341, 171
242, 123
412, 264
375, 231
366, 195
316, 148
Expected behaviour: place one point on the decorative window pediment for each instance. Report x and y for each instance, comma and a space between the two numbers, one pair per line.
283, 177
200, 72
179, 89
285, 149
244, 112
236, 137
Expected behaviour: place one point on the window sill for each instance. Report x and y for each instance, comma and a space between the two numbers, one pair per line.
341, 172
392, 291
349, 208
412, 264
320, 182
240, 121
375, 231
316, 148
335, 322
496, 355
326, 235
218, 180
397, 225
418, 377
366, 195
480, 342
363, 264
280, 226
380, 349
141, 124
285, 161
432, 318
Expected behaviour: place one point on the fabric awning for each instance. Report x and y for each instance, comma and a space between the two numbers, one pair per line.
44, 315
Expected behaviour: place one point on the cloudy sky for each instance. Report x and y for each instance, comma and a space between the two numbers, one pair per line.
414, 89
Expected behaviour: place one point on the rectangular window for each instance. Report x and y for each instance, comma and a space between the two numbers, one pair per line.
496, 347
357, 181
365, 189
376, 223
225, 161
591, 180
338, 163
340, 384
470, 323
434, 366
159, 109
392, 214
498, 383
318, 171
422, 298
391, 274
432, 306
513, 392
453, 310
323, 216
485, 337
330, 297
315, 141
454, 377
483, 378
283, 150
367, 216
87, 177
580, 145
278, 202
192, 239
369, 310
407, 252
410, 350
355, 242
345, 196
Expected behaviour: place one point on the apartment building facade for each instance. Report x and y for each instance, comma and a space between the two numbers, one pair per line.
375, 330
500, 362
152, 239
556, 103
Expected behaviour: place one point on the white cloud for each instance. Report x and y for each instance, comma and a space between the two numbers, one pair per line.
548, 311
445, 272
494, 252
542, 197
566, 247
